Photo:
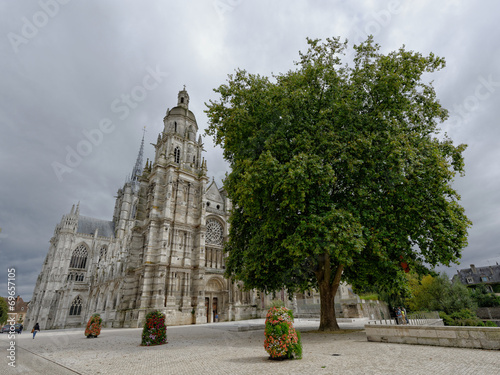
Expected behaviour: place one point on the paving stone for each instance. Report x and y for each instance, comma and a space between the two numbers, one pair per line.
224, 348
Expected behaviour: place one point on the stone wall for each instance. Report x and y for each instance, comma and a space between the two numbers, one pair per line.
490, 313
347, 308
374, 310
462, 337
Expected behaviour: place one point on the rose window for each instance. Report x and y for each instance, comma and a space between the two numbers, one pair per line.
214, 232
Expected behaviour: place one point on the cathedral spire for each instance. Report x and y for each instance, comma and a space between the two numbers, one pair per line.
137, 171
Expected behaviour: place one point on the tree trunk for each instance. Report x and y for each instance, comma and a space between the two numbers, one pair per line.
327, 290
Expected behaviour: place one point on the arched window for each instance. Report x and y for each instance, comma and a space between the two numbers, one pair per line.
177, 154
79, 257
175, 126
214, 232
76, 306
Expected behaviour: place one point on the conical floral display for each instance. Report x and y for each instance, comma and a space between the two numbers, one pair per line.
155, 330
93, 326
282, 340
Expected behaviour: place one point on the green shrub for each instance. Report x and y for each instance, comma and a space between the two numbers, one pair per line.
282, 340
484, 298
446, 319
489, 323
155, 330
464, 317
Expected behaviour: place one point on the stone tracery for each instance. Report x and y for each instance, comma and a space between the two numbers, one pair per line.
214, 233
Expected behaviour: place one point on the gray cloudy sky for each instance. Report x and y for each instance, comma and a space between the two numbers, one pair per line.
70, 70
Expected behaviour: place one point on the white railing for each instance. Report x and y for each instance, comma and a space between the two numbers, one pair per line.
416, 319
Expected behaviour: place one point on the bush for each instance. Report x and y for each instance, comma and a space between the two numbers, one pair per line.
282, 340
446, 319
93, 326
489, 323
464, 317
440, 294
155, 330
484, 298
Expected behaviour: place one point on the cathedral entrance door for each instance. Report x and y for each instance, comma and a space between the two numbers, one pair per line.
215, 300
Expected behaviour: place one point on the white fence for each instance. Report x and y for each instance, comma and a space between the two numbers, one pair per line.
417, 319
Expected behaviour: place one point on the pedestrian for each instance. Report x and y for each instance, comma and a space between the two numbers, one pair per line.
21, 328
35, 329
403, 315
395, 314
399, 316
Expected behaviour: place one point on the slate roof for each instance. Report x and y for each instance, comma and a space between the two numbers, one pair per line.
88, 225
479, 275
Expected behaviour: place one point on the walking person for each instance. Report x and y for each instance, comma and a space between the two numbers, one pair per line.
35, 329
405, 316
399, 316
21, 328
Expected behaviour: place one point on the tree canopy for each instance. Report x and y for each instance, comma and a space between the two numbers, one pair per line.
337, 173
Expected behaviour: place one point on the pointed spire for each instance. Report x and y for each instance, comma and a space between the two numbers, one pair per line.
77, 212
137, 171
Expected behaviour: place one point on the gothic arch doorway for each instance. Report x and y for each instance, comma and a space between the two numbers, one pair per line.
215, 300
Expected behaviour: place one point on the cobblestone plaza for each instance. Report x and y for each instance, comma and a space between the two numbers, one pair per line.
235, 348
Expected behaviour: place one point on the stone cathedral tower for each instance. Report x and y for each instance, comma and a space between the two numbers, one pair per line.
163, 250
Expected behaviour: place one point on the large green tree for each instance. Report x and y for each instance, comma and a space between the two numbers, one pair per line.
336, 172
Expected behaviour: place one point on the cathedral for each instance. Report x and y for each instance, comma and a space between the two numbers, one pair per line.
163, 249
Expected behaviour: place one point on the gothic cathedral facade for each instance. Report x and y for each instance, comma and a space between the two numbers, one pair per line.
163, 250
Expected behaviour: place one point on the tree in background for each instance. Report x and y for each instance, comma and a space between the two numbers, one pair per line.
483, 297
4, 309
440, 294
336, 173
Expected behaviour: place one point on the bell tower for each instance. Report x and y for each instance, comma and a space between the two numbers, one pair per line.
168, 243
183, 98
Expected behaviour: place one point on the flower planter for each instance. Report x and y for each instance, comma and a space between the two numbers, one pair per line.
93, 326
155, 330
282, 340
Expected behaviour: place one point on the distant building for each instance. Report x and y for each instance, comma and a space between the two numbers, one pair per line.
488, 276
19, 311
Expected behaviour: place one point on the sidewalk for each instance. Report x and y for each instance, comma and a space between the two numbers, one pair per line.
235, 348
